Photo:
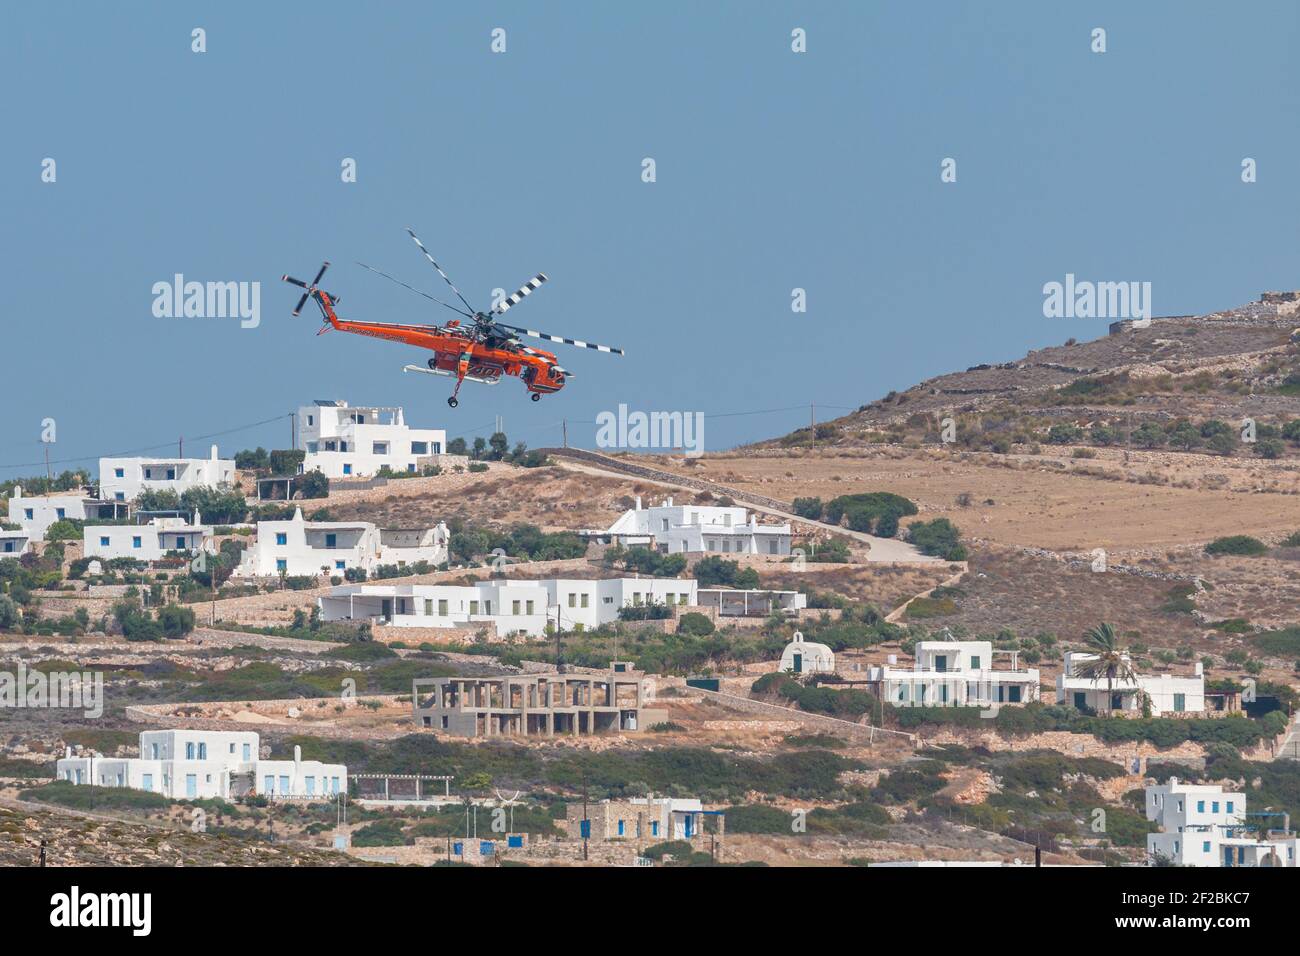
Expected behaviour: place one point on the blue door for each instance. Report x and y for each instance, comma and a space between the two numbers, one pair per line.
191, 785
689, 828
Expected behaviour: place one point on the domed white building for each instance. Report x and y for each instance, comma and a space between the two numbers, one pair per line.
805, 657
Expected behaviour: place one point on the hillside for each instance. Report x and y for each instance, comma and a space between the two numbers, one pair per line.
1225, 366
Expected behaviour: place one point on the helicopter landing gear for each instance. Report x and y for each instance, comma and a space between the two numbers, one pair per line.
537, 396
452, 401
433, 362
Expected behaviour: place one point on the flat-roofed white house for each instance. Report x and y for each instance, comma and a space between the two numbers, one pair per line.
14, 544
511, 607
956, 674
1168, 693
806, 657
123, 479
341, 441
198, 764
147, 542
35, 513
1203, 825
752, 602
692, 529
297, 546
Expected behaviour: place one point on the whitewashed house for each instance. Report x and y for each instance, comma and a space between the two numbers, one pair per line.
123, 479
1168, 693
806, 657
344, 442
1202, 825
35, 513
692, 529
511, 607
300, 547
198, 764
955, 674
13, 544
147, 542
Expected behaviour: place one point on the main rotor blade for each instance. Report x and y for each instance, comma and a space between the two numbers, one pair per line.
297, 309
324, 266
547, 337
293, 281
415, 290
527, 290
439, 268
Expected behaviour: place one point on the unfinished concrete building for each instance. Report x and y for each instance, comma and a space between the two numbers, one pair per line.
534, 704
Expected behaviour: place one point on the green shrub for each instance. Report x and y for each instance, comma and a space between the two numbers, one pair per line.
694, 623
1237, 544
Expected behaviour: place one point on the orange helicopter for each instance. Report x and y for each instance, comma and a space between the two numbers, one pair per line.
481, 350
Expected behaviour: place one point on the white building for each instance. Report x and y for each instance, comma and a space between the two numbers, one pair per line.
301, 547
688, 529
13, 544
344, 442
1201, 825
955, 674
198, 764
512, 607
1168, 693
752, 602
123, 479
35, 513
807, 657
147, 542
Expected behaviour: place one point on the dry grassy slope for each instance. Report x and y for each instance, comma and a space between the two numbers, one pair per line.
1180, 346
78, 839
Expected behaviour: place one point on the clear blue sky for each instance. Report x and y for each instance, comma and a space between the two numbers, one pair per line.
775, 170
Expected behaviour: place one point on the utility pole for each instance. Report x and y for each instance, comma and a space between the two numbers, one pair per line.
48, 476
812, 415
586, 823
564, 424
293, 430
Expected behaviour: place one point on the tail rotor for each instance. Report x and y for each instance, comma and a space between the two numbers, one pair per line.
311, 289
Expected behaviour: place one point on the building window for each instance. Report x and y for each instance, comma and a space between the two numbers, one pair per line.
530, 607
203, 751
473, 607
147, 782
119, 473
311, 786
1214, 807
340, 565
119, 496
189, 750
281, 538
232, 747
135, 541
247, 752
974, 662
347, 469
1205, 847
1200, 806
281, 564
268, 783
379, 448
284, 783
103, 541
1180, 703
331, 541
419, 448
58, 511
584, 600
442, 607
573, 600
180, 543
410, 467
515, 607
620, 827
1229, 806
654, 827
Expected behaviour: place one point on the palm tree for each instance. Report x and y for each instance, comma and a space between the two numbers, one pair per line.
1109, 661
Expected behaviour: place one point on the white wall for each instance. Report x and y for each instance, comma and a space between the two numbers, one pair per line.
339, 447
147, 542
125, 478
305, 548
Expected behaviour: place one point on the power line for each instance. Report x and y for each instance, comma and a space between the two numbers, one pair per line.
138, 451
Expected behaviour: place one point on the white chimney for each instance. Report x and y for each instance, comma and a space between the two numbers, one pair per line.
215, 456
638, 502
1200, 669
892, 659
18, 491
669, 502
297, 755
